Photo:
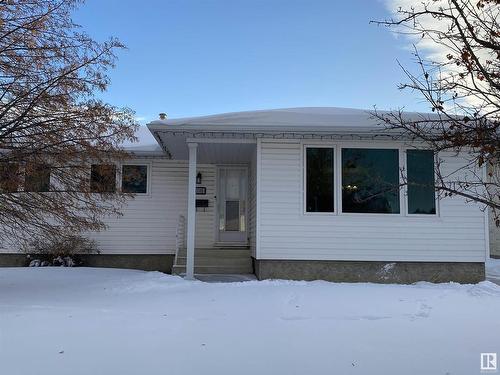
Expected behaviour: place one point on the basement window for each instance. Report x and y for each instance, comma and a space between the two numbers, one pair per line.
135, 179
103, 178
421, 183
319, 179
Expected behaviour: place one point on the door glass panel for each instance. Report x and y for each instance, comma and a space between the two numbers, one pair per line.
243, 195
232, 215
232, 195
222, 199
233, 184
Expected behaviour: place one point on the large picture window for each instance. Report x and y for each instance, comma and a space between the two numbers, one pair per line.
319, 179
103, 178
370, 180
135, 179
420, 175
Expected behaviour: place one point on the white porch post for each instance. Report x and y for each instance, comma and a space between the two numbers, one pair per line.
191, 219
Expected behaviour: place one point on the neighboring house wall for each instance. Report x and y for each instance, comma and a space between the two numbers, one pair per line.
457, 234
494, 230
149, 222
494, 238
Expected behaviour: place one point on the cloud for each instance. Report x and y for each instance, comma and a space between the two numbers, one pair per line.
430, 49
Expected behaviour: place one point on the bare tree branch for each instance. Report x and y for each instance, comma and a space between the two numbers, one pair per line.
50, 72
462, 88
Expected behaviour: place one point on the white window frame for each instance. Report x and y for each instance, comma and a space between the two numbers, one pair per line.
337, 188
119, 176
304, 179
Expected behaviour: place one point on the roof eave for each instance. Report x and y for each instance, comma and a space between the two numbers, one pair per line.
272, 130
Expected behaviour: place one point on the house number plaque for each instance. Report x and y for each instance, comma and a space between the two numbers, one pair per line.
201, 190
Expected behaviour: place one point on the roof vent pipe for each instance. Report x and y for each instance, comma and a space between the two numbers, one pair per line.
163, 116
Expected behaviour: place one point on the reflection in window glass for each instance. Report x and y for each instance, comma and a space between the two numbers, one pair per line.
103, 178
370, 180
232, 216
421, 192
319, 179
135, 179
37, 178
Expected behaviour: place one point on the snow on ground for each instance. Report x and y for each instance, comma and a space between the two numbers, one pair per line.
109, 321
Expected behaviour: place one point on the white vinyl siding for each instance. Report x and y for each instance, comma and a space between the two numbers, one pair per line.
149, 222
456, 234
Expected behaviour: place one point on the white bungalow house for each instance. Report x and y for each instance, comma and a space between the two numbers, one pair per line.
301, 193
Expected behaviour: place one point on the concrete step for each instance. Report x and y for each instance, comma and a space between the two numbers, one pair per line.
217, 252
227, 260
241, 245
217, 261
176, 270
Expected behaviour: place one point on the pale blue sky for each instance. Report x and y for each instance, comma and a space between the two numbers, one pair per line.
196, 57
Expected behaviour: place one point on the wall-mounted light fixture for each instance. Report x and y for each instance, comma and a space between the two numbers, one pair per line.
198, 178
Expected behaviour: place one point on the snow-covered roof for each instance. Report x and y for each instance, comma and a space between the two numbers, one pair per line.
145, 145
289, 123
308, 118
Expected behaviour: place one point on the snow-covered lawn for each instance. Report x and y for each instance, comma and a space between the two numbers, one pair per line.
104, 321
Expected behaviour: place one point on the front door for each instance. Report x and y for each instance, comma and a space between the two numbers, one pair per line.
232, 204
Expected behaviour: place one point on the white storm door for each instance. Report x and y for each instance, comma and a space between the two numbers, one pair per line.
232, 204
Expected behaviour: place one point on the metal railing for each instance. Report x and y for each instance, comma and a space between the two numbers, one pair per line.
180, 236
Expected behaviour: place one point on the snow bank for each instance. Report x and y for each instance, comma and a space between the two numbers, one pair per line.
109, 321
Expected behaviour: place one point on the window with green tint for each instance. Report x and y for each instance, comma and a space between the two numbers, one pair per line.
370, 180
420, 174
319, 179
135, 179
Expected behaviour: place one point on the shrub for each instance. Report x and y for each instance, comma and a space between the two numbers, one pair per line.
59, 250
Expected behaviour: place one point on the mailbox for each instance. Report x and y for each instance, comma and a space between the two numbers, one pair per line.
201, 203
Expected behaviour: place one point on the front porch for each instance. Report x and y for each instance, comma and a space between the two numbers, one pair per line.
216, 261
217, 236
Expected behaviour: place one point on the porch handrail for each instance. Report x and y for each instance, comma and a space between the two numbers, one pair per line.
180, 236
